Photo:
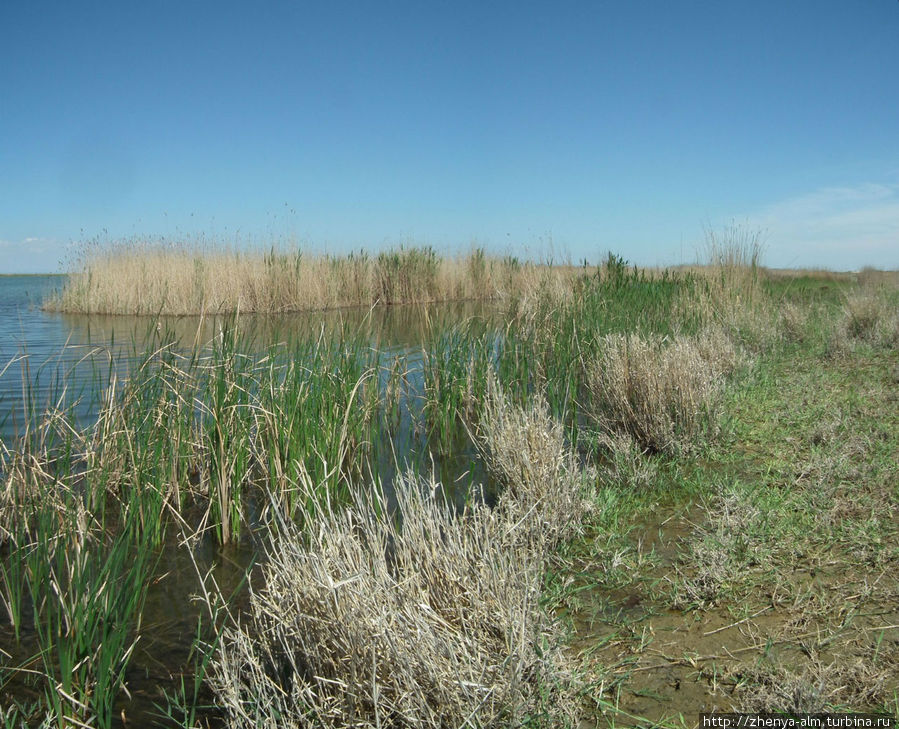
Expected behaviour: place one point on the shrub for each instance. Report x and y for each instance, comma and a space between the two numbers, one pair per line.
664, 392
364, 623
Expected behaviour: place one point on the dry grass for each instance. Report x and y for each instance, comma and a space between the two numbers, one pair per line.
734, 297
149, 278
429, 618
365, 623
817, 687
543, 499
664, 393
793, 322
870, 315
625, 462
720, 553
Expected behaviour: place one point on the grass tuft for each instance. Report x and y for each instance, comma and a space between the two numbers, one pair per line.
664, 393
364, 622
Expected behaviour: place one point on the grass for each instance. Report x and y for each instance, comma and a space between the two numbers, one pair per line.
774, 544
366, 623
683, 496
145, 277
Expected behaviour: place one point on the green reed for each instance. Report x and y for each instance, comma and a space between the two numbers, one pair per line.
546, 340
406, 274
226, 425
455, 365
85, 587
316, 400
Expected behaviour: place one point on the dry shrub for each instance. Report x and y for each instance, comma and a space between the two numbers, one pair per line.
364, 623
664, 392
543, 499
869, 315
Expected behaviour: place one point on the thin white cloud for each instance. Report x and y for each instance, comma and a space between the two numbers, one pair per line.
32, 254
834, 227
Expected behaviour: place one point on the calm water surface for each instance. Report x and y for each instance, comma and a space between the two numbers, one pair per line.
46, 356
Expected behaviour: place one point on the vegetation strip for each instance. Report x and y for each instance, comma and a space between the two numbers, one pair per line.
678, 454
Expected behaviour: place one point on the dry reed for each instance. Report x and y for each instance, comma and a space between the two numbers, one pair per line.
734, 296
427, 618
365, 623
543, 499
662, 392
150, 278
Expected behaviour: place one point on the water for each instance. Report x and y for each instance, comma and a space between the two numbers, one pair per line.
40, 351
56, 361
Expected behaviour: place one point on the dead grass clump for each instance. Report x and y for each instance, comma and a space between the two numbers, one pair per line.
870, 315
663, 392
624, 462
720, 553
717, 349
816, 688
863, 311
543, 499
767, 689
364, 623
793, 322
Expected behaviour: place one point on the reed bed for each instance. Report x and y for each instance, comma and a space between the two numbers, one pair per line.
426, 617
195, 441
156, 278
77, 587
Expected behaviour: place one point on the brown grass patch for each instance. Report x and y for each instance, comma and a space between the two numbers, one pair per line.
665, 393
367, 623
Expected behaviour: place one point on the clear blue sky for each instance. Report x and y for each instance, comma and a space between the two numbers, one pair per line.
538, 128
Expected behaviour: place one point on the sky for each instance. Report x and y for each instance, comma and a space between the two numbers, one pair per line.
556, 130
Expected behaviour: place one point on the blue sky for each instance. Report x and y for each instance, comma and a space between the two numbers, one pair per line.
544, 129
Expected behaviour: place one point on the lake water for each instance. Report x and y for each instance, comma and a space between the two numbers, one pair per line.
40, 351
